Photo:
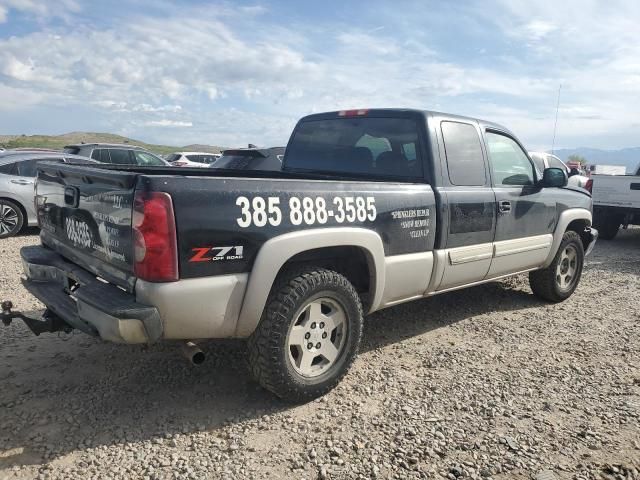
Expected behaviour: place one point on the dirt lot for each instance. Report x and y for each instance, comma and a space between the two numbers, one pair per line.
484, 383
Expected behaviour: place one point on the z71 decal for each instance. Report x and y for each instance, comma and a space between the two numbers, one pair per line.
261, 211
214, 254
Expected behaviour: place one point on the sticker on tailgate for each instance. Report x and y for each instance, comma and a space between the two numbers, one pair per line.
78, 232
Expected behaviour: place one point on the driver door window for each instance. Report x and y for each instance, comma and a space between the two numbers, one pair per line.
510, 164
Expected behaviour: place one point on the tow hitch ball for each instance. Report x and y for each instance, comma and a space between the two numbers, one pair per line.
49, 322
7, 314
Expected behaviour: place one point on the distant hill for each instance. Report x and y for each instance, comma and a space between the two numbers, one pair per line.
629, 157
58, 142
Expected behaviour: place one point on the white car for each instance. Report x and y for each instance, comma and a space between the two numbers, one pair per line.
193, 159
546, 160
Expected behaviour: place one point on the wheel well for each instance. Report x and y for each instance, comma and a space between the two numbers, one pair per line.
579, 226
352, 262
20, 206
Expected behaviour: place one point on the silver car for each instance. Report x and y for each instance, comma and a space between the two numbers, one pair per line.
546, 160
17, 174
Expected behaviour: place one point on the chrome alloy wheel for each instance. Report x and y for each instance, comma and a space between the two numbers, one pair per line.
567, 268
8, 219
317, 337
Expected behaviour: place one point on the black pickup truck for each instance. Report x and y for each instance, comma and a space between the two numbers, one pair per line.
371, 209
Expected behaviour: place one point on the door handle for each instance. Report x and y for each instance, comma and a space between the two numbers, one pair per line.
504, 206
21, 182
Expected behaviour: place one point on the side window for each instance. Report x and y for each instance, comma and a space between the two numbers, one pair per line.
97, 155
510, 165
144, 158
9, 169
119, 156
409, 151
29, 168
538, 160
465, 162
376, 145
556, 163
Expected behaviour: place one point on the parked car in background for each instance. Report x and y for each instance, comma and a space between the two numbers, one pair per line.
269, 159
17, 172
193, 159
120, 154
546, 160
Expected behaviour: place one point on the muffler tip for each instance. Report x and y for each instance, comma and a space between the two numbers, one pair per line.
198, 358
192, 352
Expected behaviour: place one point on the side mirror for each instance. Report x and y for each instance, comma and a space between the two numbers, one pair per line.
554, 177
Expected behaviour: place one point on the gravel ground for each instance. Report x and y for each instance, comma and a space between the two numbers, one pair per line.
484, 383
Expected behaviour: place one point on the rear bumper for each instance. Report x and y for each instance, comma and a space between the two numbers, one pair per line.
86, 303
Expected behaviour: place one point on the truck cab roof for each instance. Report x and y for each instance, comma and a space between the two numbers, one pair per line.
399, 113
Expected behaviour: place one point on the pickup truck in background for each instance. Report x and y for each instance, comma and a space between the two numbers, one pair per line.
616, 202
372, 208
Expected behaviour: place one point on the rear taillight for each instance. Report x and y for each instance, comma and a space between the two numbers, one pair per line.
589, 186
154, 237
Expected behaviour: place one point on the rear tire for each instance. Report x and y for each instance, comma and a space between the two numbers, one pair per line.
11, 219
308, 336
559, 280
608, 227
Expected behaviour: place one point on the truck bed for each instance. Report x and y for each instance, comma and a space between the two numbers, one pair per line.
86, 214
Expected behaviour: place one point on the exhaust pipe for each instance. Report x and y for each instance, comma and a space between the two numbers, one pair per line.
192, 352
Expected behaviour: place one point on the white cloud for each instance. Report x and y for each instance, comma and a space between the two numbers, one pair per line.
40, 9
538, 29
157, 71
168, 123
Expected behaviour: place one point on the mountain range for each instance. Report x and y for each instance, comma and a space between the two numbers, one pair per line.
58, 142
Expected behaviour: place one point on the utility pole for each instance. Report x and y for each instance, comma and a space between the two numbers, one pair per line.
555, 125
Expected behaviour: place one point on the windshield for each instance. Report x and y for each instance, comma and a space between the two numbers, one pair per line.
173, 157
367, 146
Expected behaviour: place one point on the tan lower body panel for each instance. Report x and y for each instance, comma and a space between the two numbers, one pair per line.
196, 308
519, 254
466, 265
407, 277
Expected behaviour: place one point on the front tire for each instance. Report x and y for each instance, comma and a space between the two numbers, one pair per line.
308, 336
11, 219
559, 280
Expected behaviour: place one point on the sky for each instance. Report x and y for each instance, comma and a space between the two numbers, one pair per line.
232, 73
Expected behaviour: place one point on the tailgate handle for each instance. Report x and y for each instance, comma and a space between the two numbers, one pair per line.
71, 196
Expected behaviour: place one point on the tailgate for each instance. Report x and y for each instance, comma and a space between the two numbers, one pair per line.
85, 215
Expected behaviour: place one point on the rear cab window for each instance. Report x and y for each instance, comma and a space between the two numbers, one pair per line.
363, 146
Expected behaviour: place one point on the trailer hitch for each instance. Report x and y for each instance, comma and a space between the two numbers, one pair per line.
49, 322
